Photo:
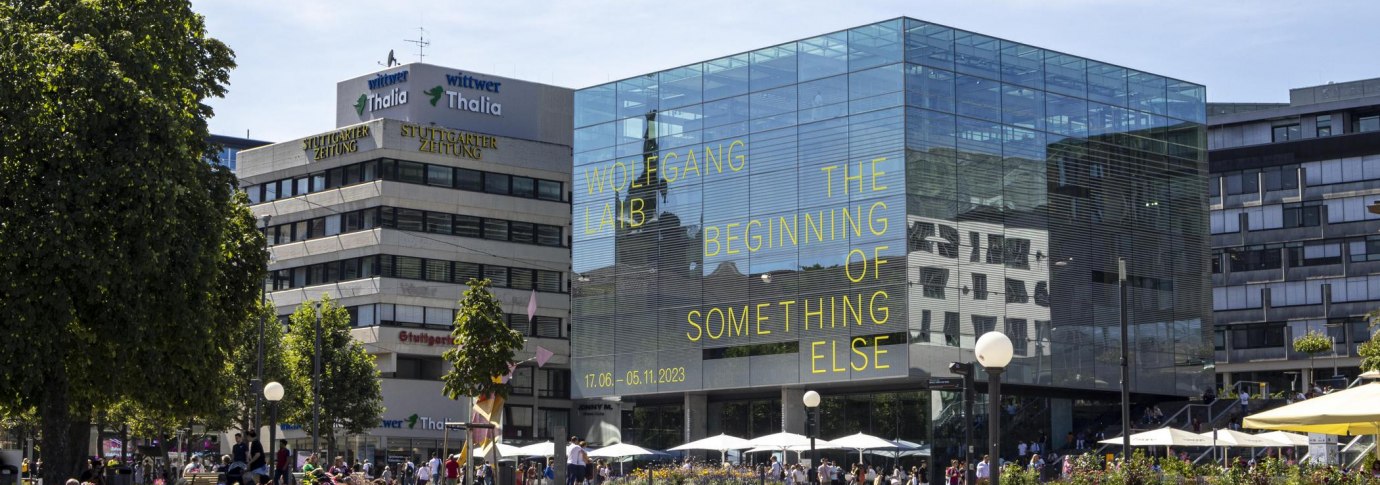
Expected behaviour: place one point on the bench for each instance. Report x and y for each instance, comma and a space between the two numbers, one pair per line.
211, 478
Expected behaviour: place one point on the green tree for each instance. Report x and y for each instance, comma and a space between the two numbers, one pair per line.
484, 345
112, 229
237, 407
350, 398
1312, 343
1370, 349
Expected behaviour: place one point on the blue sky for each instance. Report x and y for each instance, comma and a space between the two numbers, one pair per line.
292, 52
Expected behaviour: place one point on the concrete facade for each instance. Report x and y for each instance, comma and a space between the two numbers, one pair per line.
377, 214
1294, 247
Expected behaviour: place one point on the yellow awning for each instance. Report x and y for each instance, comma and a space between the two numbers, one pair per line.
1350, 412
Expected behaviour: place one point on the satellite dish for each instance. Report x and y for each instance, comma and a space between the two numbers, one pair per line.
392, 61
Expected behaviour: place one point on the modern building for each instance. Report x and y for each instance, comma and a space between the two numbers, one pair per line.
432, 176
228, 149
847, 213
1295, 249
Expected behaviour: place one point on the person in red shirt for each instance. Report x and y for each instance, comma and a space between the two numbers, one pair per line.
452, 470
282, 464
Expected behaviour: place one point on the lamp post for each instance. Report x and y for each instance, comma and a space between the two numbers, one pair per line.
994, 351
273, 392
811, 400
258, 380
1125, 362
316, 386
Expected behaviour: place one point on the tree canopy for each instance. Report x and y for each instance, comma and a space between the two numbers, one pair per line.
350, 396
114, 237
484, 345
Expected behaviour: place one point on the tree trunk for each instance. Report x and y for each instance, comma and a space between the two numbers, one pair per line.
66, 435
330, 444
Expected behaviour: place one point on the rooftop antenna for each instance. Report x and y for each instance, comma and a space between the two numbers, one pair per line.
421, 42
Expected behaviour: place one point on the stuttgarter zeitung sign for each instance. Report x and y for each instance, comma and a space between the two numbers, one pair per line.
456, 143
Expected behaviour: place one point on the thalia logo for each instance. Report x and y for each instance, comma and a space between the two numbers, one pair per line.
456, 100
374, 102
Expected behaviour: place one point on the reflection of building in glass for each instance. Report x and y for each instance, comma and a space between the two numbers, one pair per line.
846, 213
1295, 249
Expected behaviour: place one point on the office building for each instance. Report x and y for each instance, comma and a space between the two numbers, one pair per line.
1294, 247
228, 149
847, 213
431, 177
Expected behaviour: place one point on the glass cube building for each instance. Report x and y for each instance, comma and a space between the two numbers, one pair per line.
847, 213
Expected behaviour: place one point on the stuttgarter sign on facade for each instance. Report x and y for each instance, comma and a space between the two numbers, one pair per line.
337, 142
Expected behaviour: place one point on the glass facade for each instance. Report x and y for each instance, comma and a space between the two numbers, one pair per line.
857, 207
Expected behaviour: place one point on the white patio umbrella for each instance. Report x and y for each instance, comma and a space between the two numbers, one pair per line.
721, 443
781, 441
1163, 437
1285, 438
906, 448
545, 448
620, 450
508, 451
1229, 437
863, 442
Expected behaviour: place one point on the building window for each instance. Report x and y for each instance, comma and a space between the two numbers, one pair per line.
933, 280
951, 329
1015, 291
1250, 259
1367, 123
1324, 126
521, 383
421, 368
548, 327
1280, 178
408, 172
408, 267
983, 324
1259, 336
1315, 254
556, 383
1216, 262
1287, 132
925, 328
415, 220
1367, 249
1019, 332
1300, 215
979, 286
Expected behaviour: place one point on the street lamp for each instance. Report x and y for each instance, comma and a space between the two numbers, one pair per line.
273, 392
1125, 360
258, 379
994, 351
811, 400
316, 385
